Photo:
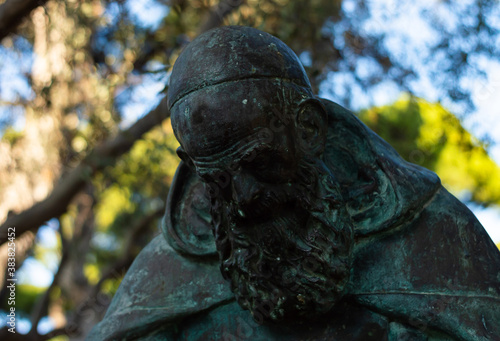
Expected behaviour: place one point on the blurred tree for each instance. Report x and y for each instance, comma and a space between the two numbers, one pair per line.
84, 68
428, 135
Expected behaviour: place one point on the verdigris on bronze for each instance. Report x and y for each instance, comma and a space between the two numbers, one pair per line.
318, 227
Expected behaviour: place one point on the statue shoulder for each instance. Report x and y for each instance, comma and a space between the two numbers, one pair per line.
176, 275
161, 287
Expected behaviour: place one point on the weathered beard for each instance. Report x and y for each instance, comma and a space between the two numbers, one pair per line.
294, 264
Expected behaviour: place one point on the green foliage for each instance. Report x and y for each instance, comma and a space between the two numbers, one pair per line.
136, 186
110, 286
60, 338
115, 200
149, 167
92, 273
428, 135
26, 298
137, 180
11, 135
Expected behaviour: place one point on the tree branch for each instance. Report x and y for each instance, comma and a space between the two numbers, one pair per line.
13, 11
103, 155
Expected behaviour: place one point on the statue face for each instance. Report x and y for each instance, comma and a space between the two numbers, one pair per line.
283, 242
238, 152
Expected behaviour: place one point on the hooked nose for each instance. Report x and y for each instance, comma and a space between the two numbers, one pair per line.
246, 189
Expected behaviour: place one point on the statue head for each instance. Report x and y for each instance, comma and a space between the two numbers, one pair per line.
249, 126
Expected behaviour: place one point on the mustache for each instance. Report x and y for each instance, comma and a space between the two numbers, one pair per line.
275, 198
266, 207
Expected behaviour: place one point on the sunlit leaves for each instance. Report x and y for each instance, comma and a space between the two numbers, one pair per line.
427, 134
150, 165
114, 201
26, 298
11, 135
136, 186
110, 286
92, 272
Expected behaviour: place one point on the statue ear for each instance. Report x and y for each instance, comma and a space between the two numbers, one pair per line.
312, 126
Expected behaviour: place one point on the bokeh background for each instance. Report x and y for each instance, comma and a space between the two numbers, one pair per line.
87, 151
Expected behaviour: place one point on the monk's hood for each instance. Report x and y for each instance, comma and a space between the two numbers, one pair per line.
380, 188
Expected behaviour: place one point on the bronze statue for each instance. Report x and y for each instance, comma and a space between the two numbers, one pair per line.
319, 228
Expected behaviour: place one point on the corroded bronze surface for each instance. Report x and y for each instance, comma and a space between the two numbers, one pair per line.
318, 227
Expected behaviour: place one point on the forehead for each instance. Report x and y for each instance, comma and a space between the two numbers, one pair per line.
218, 118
